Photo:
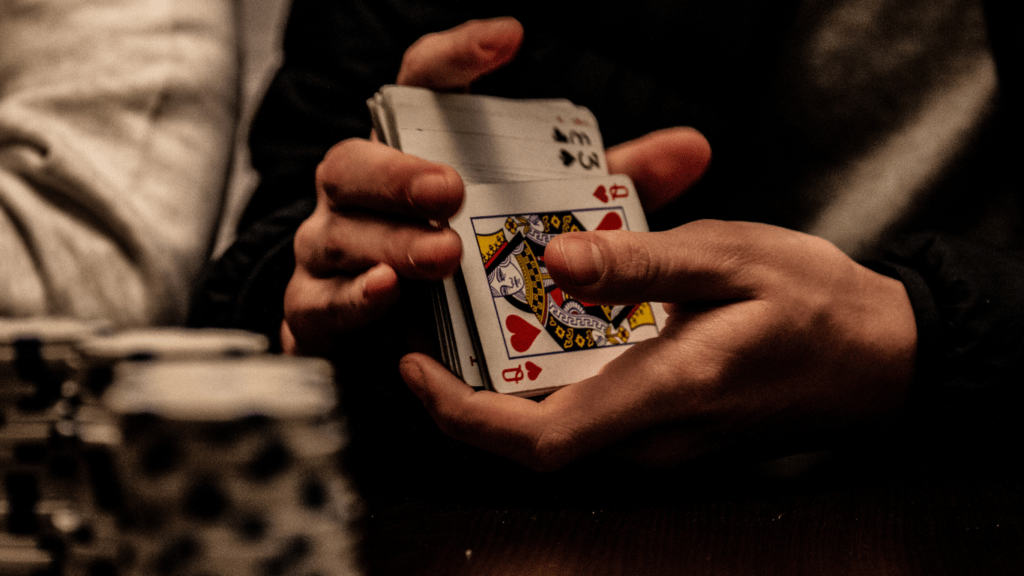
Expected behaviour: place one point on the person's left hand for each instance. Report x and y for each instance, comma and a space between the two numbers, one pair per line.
772, 335
662, 164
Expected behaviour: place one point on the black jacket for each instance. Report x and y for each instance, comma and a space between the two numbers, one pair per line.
726, 68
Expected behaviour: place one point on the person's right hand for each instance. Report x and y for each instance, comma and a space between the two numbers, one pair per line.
373, 203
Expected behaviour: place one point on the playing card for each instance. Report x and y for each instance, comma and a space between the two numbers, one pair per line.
490, 139
465, 360
486, 139
535, 337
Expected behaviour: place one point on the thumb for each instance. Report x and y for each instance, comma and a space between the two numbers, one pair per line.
455, 58
662, 164
691, 263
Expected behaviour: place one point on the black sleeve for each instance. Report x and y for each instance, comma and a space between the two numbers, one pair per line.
968, 301
245, 287
337, 54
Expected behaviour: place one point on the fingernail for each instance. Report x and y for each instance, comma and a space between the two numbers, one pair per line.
411, 373
493, 36
583, 260
435, 254
376, 280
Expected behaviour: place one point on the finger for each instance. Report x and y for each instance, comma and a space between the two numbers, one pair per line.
502, 424
662, 164
574, 421
288, 344
318, 310
453, 59
364, 174
697, 262
330, 243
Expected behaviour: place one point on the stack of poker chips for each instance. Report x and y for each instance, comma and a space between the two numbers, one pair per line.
100, 436
230, 466
101, 353
42, 476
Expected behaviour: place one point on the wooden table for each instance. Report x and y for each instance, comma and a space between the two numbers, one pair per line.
829, 517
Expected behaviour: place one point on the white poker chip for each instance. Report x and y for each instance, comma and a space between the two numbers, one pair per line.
47, 330
279, 387
172, 343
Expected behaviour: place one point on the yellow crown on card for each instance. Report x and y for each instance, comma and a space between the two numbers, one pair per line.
490, 244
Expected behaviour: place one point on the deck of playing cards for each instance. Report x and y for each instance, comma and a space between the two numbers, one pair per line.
533, 169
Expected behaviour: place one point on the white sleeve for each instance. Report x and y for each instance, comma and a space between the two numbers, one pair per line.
116, 124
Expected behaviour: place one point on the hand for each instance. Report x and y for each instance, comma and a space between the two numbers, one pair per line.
373, 202
364, 233
368, 228
662, 164
454, 59
772, 335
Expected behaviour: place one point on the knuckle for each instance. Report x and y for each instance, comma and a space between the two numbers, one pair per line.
333, 255
324, 247
338, 154
552, 449
306, 233
294, 295
307, 238
344, 308
395, 180
647, 266
326, 188
302, 311
414, 58
454, 419
641, 266
334, 168
729, 250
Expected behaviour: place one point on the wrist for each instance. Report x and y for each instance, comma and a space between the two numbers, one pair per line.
889, 339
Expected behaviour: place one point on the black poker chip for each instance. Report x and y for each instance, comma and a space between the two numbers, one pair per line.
205, 500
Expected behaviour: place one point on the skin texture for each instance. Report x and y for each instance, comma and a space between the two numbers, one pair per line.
366, 231
773, 334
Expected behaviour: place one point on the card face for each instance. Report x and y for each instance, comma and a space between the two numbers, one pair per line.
535, 337
534, 169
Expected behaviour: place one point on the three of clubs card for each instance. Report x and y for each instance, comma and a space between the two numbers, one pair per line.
534, 169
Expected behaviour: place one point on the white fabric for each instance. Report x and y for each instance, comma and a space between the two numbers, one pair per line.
116, 121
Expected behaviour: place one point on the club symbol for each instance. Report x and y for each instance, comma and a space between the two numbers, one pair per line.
567, 158
559, 136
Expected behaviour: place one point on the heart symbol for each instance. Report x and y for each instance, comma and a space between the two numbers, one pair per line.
532, 370
601, 194
611, 221
523, 333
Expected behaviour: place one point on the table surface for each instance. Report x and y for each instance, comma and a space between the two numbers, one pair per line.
836, 519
